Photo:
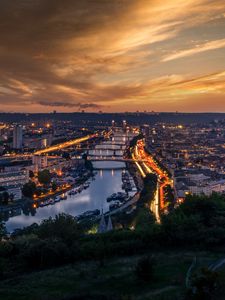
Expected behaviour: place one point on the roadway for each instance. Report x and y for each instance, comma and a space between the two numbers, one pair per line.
150, 166
162, 176
66, 144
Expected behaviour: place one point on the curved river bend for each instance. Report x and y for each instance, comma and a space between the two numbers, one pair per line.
106, 182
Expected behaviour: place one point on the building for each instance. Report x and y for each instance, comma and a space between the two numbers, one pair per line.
39, 162
17, 137
145, 129
208, 189
124, 125
103, 227
13, 182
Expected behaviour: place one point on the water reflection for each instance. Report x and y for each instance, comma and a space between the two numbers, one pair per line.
106, 182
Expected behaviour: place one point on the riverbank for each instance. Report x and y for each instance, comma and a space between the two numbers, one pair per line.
37, 201
108, 181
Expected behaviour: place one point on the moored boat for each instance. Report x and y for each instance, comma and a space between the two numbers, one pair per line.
63, 197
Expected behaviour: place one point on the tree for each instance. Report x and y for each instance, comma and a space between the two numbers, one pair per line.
66, 155
84, 157
62, 227
44, 177
2, 230
199, 219
31, 174
88, 164
11, 197
148, 192
134, 141
29, 189
145, 219
4, 198
206, 207
203, 285
54, 186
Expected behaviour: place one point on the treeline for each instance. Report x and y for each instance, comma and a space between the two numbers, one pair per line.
149, 189
134, 141
141, 216
198, 223
88, 163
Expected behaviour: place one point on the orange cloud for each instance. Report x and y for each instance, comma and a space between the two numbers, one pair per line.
109, 53
212, 45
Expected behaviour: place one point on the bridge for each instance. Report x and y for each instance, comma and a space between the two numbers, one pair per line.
103, 168
102, 149
113, 144
113, 158
127, 135
104, 155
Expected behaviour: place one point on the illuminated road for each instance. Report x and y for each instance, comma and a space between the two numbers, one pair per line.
150, 166
66, 144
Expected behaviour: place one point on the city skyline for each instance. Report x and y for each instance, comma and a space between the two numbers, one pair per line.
112, 56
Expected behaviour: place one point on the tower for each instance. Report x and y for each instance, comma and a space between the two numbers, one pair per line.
109, 225
102, 224
18, 137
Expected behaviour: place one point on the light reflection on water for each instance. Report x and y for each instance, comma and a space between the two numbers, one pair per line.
106, 182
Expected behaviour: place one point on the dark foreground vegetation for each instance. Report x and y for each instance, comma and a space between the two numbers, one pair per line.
58, 260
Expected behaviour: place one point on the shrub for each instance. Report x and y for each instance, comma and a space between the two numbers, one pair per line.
203, 285
144, 269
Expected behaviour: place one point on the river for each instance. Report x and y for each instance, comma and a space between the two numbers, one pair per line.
106, 181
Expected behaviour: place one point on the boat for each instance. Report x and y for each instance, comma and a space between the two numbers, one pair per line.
44, 203
57, 199
128, 187
95, 212
51, 201
112, 197
79, 190
117, 196
121, 195
86, 185
63, 197
47, 202
72, 192
114, 205
88, 214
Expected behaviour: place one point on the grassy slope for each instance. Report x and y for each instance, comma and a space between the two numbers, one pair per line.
116, 279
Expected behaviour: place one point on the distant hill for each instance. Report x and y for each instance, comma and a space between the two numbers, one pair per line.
106, 118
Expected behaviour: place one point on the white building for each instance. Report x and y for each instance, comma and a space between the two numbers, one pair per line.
13, 178
145, 129
39, 162
13, 182
17, 137
208, 189
16, 191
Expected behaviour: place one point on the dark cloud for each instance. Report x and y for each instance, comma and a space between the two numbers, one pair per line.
34, 47
90, 105
70, 105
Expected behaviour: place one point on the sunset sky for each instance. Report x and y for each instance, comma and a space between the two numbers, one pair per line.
112, 55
